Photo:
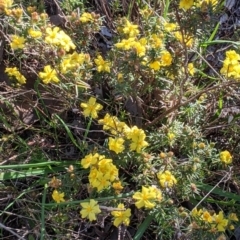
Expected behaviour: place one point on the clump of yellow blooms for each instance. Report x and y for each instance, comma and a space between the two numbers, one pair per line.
212, 221
187, 4
86, 17
15, 12
13, 72
116, 127
71, 62
150, 53
58, 38
142, 47
102, 171
231, 65
131, 30
5, 4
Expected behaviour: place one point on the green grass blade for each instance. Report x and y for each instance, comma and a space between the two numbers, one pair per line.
100, 199
43, 212
31, 165
219, 192
69, 133
166, 9
213, 33
10, 172
143, 227
16, 175
207, 43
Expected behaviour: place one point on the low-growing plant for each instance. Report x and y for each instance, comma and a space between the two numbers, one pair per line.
115, 137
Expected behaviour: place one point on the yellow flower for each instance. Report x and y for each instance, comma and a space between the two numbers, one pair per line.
158, 193
206, 216
20, 78
58, 196
226, 157
232, 57
186, 4
130, 29
233, 217
155, 65
221, 222
49, 75
102, 182
116, 144
145, 198
146, 12
90, 160
108, 169
66, 65
196, 213
203, 4
4, 4
166, 58
231, 66
86, 17
90, 209
108, 121
122, 216
91, 108
78, 58
15, 73
231, 227
112, 172
65, 41
17, 42
166, 179
126, 44
52, 35
169, 27
117, 186
31, 9
156, 41
34, 33
11, 71
191, 69
138, 139
140, 49
17, 12
171, 136
102, 65
136, 133
187, 39
120, 77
